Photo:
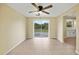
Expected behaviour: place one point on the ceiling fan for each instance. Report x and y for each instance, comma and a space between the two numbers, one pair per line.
41, 9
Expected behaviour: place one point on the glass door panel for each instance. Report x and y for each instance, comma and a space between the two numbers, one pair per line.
40, 28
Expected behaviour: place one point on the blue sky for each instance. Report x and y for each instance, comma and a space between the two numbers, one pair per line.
41, 21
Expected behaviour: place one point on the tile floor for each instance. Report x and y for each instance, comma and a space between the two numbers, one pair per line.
43, 46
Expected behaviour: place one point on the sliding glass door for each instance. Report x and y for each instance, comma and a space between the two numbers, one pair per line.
40, 28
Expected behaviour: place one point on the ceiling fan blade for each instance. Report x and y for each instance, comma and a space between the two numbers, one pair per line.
50, 6
45, 12
34, 5
32, 11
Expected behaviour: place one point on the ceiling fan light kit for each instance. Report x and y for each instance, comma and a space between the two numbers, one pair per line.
38, 14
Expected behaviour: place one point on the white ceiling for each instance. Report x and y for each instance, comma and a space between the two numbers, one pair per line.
57, 9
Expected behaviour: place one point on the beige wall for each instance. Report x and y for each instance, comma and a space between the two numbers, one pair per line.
77, 35
77, 28
52, 28
29, 28
60, 30
12, 28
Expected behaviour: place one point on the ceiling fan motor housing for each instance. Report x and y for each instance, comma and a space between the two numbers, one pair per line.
40, 8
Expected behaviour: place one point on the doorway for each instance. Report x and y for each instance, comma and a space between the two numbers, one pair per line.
70, 32
40, 28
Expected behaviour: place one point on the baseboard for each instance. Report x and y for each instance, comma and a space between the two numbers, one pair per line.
77, 52
13, 47
52, 38
61, 41
29, 38
69, 37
